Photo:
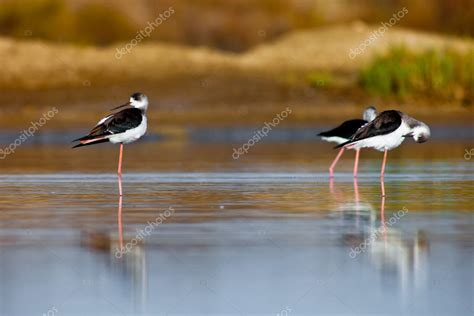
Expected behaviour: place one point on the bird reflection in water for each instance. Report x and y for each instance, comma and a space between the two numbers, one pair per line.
134, 259
119, 213
127, 263
381, 240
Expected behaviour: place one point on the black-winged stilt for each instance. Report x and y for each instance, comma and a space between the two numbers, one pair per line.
386, 132
343, 133
123, 127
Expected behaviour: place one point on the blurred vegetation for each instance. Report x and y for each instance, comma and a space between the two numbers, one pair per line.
54, 20
235, 25
445, 74
96, 24
319, 79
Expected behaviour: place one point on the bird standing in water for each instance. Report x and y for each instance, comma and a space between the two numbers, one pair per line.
386, 132
123, 127
343, 133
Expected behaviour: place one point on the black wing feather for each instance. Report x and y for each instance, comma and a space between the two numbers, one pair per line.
116, 124
385, 123
345, 130
92, 143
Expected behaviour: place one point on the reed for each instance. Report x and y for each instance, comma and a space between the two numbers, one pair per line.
441, 73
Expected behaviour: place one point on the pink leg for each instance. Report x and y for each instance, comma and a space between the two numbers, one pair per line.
382, 211
382, 173
357, 199
356, 191
119, 171
331, 169
120, 184
120, 227
382, 219
356, 163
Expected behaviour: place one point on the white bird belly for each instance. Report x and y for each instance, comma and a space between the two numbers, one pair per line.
130, 135
382, 142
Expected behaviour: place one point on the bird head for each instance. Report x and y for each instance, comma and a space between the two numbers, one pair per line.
370, 113
139, 100
420, 133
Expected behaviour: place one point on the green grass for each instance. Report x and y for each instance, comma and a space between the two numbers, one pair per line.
442, 74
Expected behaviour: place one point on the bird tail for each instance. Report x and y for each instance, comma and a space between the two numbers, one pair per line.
87, 137
87, 142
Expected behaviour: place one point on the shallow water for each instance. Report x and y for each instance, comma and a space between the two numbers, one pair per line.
267, 234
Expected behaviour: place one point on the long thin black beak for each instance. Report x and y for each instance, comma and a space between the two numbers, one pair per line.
121, 106
408, 135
